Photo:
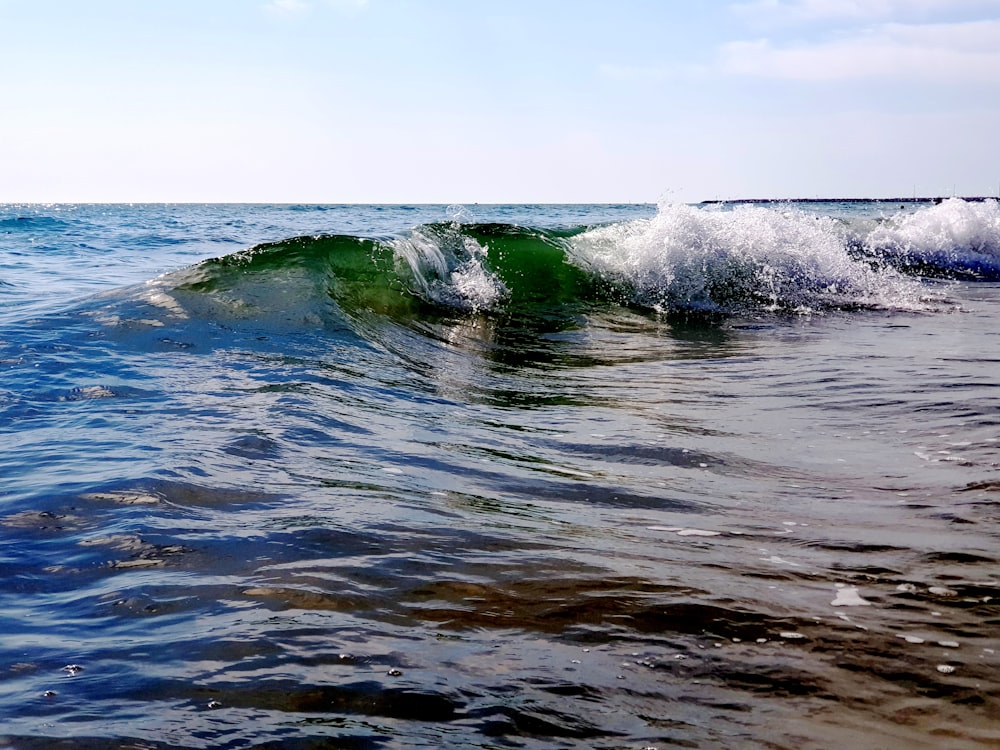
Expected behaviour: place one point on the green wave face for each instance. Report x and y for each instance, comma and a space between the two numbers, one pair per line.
352, 272
436, 270
492, 268
533, 265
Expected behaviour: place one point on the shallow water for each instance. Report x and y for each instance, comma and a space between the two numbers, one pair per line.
265, 503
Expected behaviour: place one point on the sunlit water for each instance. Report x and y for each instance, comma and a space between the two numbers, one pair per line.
535, 476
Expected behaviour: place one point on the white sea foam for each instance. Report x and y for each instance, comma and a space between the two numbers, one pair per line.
955, 235
448, 269
848, 596
751, 257
681, 531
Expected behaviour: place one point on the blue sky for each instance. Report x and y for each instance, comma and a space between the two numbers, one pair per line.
454, 101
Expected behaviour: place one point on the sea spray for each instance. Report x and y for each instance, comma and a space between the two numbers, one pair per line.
446, 267
748, 259
956, 238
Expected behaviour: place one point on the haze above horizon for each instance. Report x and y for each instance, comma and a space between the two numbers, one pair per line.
398, 101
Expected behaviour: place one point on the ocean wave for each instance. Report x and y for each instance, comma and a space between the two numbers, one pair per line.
747, 260
953, 239
28, 223
492, 267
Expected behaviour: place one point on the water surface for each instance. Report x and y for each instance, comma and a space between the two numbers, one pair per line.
499, 476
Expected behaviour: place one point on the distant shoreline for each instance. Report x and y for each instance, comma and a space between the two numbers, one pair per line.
972, 198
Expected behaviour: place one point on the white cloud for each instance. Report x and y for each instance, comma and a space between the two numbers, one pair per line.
804, 11
956, 51
285, 7
288, 8
348, 6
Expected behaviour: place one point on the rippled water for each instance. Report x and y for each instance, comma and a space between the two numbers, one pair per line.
237, 513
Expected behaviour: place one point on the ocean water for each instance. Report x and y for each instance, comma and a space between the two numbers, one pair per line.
500, 476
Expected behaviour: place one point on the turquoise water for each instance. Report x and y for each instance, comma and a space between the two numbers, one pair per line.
499, 476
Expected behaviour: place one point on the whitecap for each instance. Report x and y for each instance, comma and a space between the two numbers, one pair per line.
449, 269
956, 236
751, 257
848, 596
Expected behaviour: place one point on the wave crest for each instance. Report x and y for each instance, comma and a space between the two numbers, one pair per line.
745, 259
956, 239
446, 267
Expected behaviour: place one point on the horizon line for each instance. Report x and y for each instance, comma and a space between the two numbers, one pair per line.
708, 201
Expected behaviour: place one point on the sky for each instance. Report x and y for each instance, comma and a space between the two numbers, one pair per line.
490, 101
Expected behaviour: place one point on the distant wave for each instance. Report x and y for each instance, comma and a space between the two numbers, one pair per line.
30, 223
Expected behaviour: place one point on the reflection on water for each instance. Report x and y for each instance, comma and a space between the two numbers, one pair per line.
225, 613
621, 531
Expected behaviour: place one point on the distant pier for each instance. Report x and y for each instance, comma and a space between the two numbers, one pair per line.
939, 199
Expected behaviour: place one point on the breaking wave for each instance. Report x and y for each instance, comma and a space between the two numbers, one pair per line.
747, 260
